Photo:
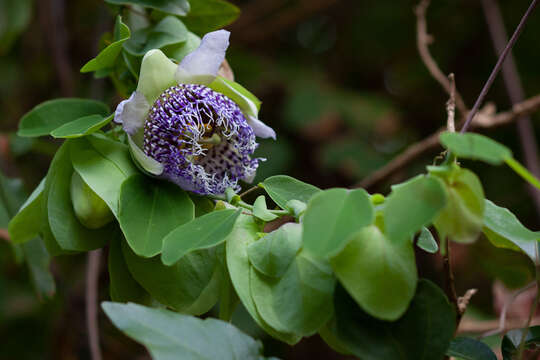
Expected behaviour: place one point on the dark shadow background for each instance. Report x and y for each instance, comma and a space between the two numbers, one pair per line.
341, 83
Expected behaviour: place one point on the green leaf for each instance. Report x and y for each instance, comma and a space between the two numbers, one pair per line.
27, 224
149, 210
122, 285
427, 242
470, 349
169, 335
69, 233
83, 126
209, 15
462, 218
245, 233
298, 302
523, 172
411, 206
52, 114
179, 51
104, 165
107, 57
175, 7
332, 216
329, 334
282, 189
504, 230
275, 252
203, 232
475, 147
38, 262
512, 340
422, 333
168, 31
190, 286
379, 273
261, 211
89, 208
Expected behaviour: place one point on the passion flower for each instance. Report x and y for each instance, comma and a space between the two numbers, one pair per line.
190, 126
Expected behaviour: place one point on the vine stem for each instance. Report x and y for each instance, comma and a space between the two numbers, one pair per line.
515, 91
92, 276
524, 331
498, 66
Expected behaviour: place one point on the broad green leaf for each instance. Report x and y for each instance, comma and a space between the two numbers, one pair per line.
298, 302
379, 273
411, 206
332, 216
190, 286
122, 285
475, 147
329, 334
107, 57
201, 233
90, 209
168, 31
282, 188
245, 233
83, 126
427, 242
422, 333
69, 233
470, 349
27, 224
275, 252
504, 230
209, 15
462, 218
512, 340
175, 7
52, 114
203, 205
38, 262
261, 211
179, 51
104, 165
149, 210
169, 335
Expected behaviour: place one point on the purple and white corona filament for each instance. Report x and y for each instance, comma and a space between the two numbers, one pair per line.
188, 125
202, 138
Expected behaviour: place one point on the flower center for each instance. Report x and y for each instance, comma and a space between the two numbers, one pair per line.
201, 137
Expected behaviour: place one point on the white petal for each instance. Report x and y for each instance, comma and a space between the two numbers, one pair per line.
157, 74
261, 129
145, 162
201, 66
132, 112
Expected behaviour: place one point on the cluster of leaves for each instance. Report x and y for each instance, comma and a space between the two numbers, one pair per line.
342, 265
155, 25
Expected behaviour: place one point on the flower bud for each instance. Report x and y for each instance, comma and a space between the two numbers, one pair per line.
89, 208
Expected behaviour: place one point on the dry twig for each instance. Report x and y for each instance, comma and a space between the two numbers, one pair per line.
502, 317
414, 151
92, 277
423, 40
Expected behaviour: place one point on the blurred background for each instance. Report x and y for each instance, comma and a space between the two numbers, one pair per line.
342, 84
